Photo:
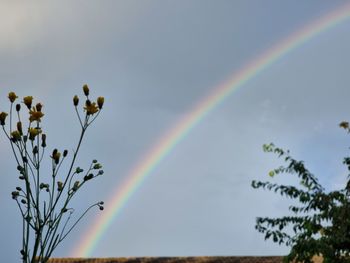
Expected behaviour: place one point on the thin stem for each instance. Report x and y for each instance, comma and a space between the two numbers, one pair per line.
65, 224
23, 233
38, 214
11, 106
76, 222
76, 110
42, 155
94, 118
11, 143
70, 168
28, 209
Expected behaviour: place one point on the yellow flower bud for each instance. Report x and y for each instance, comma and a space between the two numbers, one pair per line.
19, 127
3, 116
76, 185
59, 186
344, 125
54, 152
56, 155
15, 136
86, 90
12, 96
75, 100
28, 101
100, 101
90, 107
35, 115
33, 132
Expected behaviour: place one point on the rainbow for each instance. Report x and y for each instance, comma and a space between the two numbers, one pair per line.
166, 144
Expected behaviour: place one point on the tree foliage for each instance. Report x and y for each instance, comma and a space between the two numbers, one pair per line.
320, 222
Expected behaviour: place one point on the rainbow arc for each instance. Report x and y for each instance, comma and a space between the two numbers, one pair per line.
166, 144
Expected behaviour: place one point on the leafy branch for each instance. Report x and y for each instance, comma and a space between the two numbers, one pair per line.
319, 225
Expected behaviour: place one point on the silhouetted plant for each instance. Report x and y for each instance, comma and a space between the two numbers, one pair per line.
43, 201
320, 224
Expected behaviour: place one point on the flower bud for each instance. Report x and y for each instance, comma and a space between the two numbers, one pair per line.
28, 100
18, 188
88, 177
15, 136
65, 153
23, 201
12, 96
38, 106
344, 125
100, 101
90, 107
33, 132
15, 194
18, 107
43, 140
19, 127
3, 116
36, 115
59, 186
35, 149
75, 100
57, 157
86, 90
54, 152
97, 166
76, 185
79, 170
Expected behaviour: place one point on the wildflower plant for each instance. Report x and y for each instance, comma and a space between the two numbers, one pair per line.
44, 202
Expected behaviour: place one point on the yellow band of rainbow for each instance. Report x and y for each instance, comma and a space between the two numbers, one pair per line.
166, 144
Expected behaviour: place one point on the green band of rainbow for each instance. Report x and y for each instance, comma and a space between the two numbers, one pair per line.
144, 168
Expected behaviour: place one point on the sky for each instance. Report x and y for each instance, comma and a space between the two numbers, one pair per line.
153, 61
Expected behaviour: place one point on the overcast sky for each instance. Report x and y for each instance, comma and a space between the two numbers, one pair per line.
153, 61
